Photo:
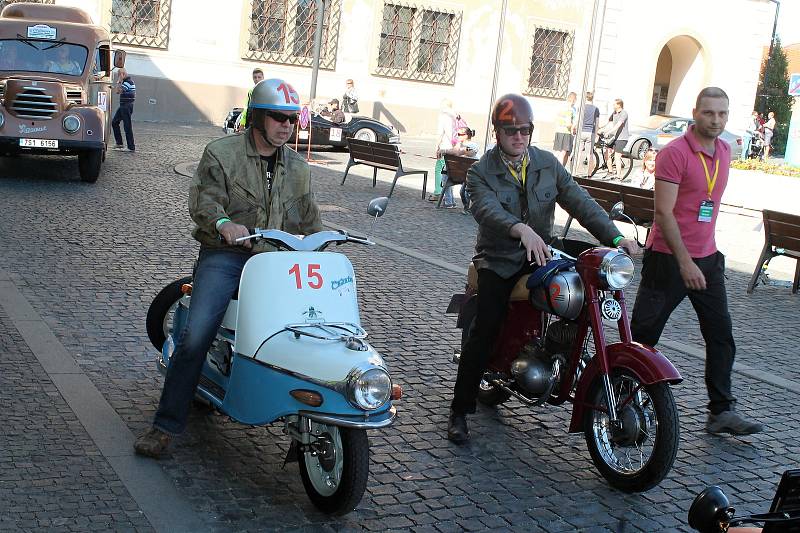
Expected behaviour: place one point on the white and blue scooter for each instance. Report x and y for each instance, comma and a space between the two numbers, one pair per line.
292, 348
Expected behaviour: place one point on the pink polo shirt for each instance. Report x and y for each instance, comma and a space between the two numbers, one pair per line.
679, 162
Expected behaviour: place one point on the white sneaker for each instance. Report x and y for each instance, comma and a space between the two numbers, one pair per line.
119, 148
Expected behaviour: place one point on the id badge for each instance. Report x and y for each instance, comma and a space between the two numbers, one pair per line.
706, 211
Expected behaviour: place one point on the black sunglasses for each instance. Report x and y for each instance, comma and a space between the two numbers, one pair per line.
282, 117
524, 130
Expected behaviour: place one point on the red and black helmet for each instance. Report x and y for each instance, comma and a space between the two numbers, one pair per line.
512, 110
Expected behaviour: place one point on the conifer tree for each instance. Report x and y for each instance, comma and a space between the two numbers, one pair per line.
773, 88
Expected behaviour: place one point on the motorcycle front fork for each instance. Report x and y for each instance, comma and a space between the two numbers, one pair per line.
299, 430
611, 400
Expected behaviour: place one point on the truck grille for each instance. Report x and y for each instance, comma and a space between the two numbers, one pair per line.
33, 102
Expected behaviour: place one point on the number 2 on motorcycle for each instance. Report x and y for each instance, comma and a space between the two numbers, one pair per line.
555, 292
311, 274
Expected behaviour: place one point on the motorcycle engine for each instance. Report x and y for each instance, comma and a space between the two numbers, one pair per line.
532, 370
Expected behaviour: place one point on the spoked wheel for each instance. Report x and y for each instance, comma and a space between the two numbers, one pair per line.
335, 468
162, 311
636, 455
488, 394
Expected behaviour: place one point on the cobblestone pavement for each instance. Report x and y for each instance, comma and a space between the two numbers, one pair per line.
90, 257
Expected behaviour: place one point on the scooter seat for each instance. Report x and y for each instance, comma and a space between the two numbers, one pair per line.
518, 294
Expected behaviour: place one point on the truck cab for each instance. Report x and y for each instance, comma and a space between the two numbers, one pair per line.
55, 84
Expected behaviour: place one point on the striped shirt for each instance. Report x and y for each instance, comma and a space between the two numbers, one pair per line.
128, 91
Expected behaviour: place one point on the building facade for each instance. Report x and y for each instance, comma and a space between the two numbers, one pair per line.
192, 59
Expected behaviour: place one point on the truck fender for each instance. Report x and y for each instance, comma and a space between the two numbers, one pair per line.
646, 363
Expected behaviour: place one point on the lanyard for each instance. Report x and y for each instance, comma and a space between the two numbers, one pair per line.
709, 180
521, 177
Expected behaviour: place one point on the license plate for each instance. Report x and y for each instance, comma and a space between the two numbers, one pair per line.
38, 143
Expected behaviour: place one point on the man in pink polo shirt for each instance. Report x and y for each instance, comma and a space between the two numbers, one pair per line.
682, 259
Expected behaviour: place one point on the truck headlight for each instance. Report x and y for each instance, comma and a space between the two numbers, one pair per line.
71, 123
616, 270
369, 389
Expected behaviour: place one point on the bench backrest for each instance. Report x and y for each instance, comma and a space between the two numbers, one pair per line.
457, 167
782, 230
639, 203
374, 152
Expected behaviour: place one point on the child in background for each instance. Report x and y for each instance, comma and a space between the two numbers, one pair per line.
648, 178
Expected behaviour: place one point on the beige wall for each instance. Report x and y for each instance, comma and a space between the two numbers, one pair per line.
202, 75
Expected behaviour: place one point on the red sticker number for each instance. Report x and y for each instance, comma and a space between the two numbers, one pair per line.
289, 94
314, 278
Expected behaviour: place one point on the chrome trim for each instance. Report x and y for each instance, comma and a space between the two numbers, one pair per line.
381, 420
357, 331
355, 374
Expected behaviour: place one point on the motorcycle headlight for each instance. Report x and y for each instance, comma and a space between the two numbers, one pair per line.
369, 389
616, 270
71, 123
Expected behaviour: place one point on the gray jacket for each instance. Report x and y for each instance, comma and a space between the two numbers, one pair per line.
495, 204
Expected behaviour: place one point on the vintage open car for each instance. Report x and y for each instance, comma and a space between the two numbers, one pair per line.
326, 133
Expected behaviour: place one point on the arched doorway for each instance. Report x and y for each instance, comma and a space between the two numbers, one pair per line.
680, 73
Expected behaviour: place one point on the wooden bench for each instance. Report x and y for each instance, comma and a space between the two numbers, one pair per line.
639, 203
781, 237
380, 155
455, 172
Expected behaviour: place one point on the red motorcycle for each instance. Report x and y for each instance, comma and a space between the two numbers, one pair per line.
552, 349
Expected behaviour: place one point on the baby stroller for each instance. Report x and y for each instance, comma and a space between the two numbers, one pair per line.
757, 146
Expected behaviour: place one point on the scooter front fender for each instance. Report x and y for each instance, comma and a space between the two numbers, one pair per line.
646, 363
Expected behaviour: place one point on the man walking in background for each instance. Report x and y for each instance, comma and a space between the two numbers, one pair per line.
682, 259
588, 129
127, 95
241, 122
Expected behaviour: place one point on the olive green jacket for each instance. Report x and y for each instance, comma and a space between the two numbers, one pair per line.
495, 197
230, 182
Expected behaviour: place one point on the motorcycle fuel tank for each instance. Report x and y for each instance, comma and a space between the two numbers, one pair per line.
563, 295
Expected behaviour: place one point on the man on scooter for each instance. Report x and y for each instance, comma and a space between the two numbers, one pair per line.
514, 189
243, 181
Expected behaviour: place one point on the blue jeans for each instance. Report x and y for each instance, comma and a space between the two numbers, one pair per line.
124, 114
216, 279
746, 140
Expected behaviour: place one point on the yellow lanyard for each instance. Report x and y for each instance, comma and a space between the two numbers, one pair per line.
522, 172
709, 180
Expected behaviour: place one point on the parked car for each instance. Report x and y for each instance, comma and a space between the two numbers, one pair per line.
326, 133
660, 130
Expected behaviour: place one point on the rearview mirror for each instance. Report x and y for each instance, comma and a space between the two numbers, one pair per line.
119, 58
616, 211
709, 510
377, 206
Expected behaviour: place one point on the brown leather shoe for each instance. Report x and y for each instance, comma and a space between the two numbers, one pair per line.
457, 429
153, 443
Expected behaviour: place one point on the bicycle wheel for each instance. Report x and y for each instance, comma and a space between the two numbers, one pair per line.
627, 166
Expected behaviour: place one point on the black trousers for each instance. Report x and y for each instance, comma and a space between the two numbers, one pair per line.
660, 292
492, 307
123, 114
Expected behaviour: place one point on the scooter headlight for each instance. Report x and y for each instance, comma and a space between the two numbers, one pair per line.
370, 389
616, 270
2, 120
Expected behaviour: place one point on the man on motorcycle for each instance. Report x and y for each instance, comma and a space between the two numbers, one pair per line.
242, 181
514, 189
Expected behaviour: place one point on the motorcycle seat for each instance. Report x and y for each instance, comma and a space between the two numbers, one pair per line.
518, 294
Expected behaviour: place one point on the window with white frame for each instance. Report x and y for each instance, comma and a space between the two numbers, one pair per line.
141, 22
418, 43
551, 62
282, 31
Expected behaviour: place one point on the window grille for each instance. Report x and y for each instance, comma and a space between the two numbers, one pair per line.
4, 3
282, 31
418, 43
141, 22
551, 60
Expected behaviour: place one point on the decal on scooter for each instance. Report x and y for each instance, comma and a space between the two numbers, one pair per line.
311, 274
339, 283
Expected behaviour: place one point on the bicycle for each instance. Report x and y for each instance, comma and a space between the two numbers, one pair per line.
598, 155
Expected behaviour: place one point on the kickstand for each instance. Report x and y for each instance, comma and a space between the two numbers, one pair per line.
291, 455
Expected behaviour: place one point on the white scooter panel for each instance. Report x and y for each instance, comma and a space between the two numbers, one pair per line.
281, 288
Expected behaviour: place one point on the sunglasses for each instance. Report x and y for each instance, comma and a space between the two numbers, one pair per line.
524, 130
282, 117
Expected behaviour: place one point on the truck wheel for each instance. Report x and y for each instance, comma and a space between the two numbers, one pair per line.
89, 165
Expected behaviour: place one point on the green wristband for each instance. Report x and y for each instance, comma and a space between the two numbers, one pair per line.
221, 222
616, 240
